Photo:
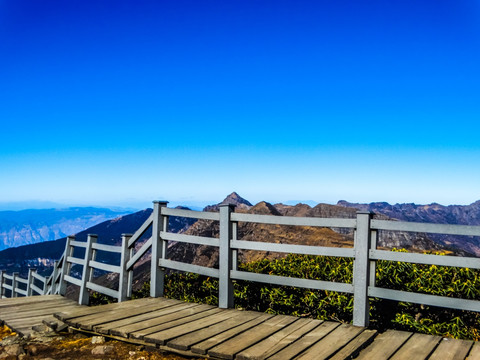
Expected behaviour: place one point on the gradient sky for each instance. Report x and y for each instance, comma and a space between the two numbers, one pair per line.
124, 102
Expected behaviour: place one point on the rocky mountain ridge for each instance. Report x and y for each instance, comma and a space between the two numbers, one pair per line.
303, 235
431, 213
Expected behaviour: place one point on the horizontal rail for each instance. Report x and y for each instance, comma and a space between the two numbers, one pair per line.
8, 287
290, 281
192, 239
105, 267
441, 260
8, 277
21, 291
425, 228
102, 289
21, 280
78, 244
292, 249
433, 300
108, 248
145, 247
294, 221
72, 280
176, 265
204, 215
75, 260
138, 234
39, 277
36, 289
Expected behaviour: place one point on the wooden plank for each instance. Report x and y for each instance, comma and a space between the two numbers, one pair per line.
23, 311
353, 347
175, 321
186, 341
83, 311
121, 327
419, 346
306, 341
88, 322
452, 349
279, 340
36, 312
229, 348
204, 346
5, 302
163, 336
331, 343
474, 352
385, 345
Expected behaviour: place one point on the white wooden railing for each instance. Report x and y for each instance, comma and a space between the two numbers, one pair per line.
364, 253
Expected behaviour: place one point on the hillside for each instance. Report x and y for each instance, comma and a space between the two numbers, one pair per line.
24, 227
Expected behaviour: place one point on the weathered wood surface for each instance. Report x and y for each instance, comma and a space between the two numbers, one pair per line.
207, 331
22, 313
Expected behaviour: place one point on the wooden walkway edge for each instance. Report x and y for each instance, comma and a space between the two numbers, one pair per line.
21, 314
207, 331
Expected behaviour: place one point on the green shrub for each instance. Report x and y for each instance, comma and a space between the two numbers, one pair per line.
329, 305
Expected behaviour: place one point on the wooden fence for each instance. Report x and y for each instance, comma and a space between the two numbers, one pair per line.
364, 253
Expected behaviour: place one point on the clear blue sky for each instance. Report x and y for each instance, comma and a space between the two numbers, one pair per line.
123, 102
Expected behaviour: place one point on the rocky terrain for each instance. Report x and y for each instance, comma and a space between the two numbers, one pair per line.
50, 345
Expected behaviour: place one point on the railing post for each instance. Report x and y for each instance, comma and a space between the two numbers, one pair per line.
65, 266
2, 289
361, 276
54, 276
157, 275
225, 287
30, 281
14, 284
83, 297
124, 276
130, 273
45, 285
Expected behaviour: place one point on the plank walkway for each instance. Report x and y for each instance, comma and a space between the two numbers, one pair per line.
23, 313
207, 331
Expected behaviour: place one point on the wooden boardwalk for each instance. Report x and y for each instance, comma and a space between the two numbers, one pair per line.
23, 313
203, 330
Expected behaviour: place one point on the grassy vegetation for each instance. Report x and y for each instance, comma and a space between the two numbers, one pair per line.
328, 305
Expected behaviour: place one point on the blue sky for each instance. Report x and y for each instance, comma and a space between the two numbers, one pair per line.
123, 102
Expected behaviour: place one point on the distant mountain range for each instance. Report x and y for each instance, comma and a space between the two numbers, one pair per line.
33, 226
432, 213
42, 255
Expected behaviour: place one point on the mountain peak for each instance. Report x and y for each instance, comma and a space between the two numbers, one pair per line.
236, 199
